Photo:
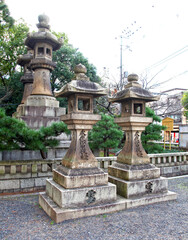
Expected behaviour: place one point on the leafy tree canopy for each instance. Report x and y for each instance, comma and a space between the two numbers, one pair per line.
105, 134
152, 133
66, 59
12, 35
5, 18
185, 103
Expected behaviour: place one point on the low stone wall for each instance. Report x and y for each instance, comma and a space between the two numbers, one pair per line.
15, 155
31, 175
170, 164
25, 176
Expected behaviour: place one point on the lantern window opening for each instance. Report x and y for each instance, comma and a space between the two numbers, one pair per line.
40, 51
48, 52
84, 104
138, 108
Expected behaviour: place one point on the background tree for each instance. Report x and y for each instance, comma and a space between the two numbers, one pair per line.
5, 18
105, 134
185, 103
66, 59
14, 134
152, 133
11, 46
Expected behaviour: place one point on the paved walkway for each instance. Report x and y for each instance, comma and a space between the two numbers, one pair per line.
22, 218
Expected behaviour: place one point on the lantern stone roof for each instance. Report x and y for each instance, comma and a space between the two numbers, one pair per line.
25, 58
133, 90
81, 84
43, 35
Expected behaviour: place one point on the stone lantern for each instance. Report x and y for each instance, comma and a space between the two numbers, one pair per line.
43, 44
39, 108
79, 188
27, 78
136, 179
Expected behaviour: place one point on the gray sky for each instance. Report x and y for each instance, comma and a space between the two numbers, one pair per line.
94, 26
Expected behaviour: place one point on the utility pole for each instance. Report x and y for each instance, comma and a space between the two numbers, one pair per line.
126, 33
121, 83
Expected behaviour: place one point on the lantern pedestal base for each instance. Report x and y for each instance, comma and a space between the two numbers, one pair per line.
150, 199
140, 184
79, 178
61, 214
63, 204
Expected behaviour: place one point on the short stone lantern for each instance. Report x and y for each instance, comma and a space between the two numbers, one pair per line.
136, 179
27, 78
79, 188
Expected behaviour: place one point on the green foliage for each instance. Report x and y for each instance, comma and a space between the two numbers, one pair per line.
14, 134
5, 18
105, 134
11, 46
152, 133
185, 103
67, 58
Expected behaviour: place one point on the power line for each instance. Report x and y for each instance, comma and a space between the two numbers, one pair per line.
171, 56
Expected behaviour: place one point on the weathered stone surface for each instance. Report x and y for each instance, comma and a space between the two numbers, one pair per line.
40, 101
150, 199
80, 180
140, 179
20, 155
133, 172
61, 214
2, 170
130, 189
27, 183
40, 182
24, 169
80, 196
9, 184
13, 169
15, 176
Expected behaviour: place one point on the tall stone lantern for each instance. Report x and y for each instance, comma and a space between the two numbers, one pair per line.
39, 107
136, 179
79, 188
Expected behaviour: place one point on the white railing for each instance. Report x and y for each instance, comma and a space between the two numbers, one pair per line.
161, 159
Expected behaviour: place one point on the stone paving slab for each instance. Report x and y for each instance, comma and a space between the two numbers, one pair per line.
22, 218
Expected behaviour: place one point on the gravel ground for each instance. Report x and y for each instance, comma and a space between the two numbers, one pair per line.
22, 218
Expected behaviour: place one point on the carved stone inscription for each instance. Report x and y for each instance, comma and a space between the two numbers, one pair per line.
149, 186
91, 196
83, 151
137, 145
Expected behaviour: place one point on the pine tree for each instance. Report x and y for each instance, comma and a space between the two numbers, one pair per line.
152, 133
15, 134
105, 134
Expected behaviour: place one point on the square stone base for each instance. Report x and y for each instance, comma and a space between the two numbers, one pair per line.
79, 178
133, 172
130, 189
150, 199
80, 196
61, 214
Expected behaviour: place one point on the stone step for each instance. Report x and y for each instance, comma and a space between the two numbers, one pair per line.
61, 214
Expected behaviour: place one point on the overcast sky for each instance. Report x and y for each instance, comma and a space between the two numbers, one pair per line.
95, 27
